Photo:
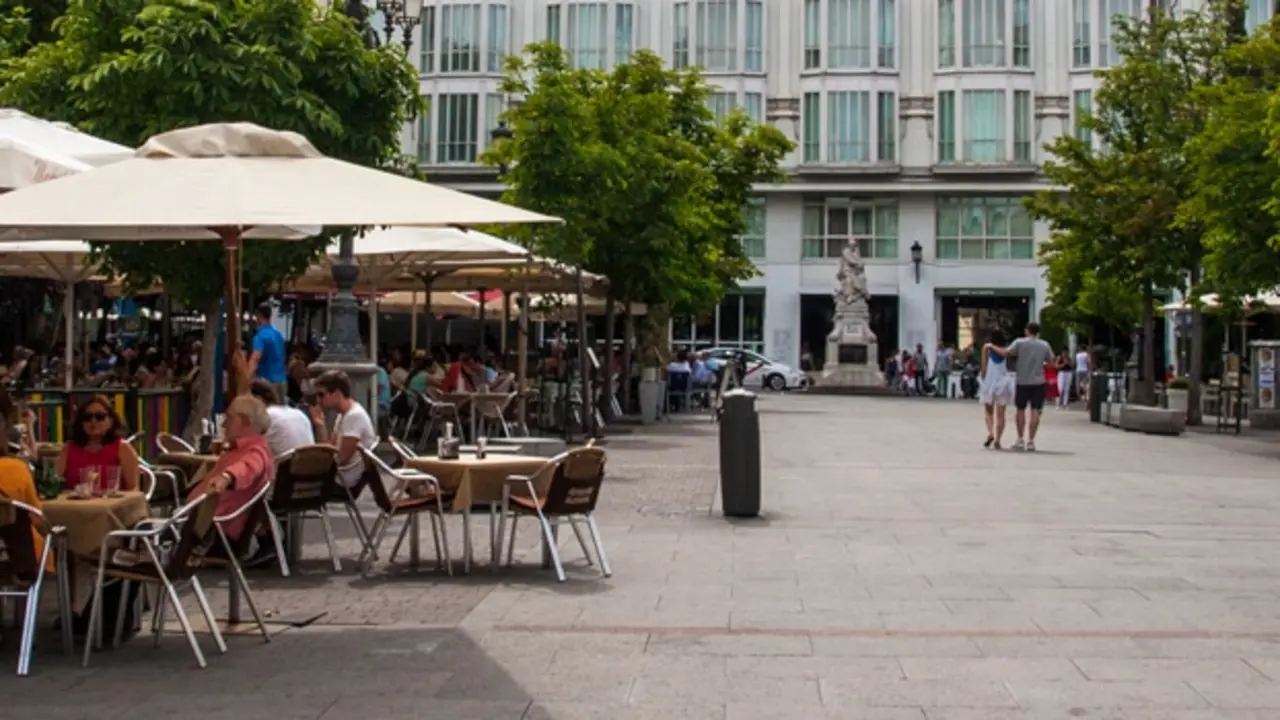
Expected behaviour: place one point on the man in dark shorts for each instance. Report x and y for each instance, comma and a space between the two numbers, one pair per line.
1029, 354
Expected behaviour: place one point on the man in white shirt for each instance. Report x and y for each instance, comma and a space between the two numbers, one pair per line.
290, 427
352, 430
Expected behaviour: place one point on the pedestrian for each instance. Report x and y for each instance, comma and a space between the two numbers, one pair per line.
942, 369
1029, 355
267, 358
997, 389
1083, 366
921, 374
1065, 384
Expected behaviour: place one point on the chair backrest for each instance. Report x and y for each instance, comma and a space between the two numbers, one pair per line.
575, 484
170, 443
677, 381
19, 563
493, 406
306, 479
255, 516
375, 473
506, 382
197, 534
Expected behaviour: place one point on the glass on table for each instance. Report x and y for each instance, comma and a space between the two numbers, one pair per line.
90, 477
111, 480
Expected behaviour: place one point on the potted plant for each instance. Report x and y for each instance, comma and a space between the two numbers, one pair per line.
653, 388
1176, 394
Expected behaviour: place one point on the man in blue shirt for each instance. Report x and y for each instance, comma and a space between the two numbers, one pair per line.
267, 360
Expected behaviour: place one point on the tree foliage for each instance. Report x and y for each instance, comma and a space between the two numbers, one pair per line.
650, 185
1236, 162
1117, 229
127, 69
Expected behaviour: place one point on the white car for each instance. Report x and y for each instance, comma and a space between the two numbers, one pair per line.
761, 372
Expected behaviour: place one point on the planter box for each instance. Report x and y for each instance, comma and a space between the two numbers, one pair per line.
1152, 421
1176, 398
651, 401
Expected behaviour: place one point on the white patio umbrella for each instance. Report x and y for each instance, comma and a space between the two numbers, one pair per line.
233, 181
53, 141
23, 164
66, 261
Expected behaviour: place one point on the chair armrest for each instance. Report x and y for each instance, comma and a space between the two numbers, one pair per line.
518, 478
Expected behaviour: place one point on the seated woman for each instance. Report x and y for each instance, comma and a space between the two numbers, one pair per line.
16, 482
96, 441
244, 467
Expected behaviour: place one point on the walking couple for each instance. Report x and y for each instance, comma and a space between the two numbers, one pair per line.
1023, 385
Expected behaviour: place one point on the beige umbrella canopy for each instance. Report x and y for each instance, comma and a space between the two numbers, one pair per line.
441, 302
558, 306
388, 253
235, 181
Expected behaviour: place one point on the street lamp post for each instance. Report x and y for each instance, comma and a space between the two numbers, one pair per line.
917, 257
343, 348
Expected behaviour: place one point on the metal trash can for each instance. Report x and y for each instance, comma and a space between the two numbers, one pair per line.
740, 454
1097, 395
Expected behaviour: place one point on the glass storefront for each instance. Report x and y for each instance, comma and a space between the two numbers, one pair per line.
738, 321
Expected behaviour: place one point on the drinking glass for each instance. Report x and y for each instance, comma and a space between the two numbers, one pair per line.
111, 480
482, 446
89, 478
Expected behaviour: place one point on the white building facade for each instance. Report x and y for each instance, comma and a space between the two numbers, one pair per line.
918, 124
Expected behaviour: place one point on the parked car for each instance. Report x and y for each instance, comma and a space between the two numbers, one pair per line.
761, 372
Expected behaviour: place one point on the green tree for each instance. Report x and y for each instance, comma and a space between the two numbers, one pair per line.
1119, 214
651, 187
127, 69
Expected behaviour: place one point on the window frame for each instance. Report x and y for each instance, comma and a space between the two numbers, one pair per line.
877, 245
989, 243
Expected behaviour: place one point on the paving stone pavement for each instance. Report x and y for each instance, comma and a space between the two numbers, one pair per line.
900, 572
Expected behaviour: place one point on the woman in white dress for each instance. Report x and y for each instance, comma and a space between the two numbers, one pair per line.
997, 389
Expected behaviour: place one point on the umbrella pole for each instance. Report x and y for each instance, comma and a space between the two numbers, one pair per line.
69, 337
373, 350
522, 351
426, 309
231, 247
584, 369
413, 323
506, 320
481, 311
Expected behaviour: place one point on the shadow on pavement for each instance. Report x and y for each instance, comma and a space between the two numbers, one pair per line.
313, 674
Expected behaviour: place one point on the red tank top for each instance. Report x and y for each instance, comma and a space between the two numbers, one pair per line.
77, 458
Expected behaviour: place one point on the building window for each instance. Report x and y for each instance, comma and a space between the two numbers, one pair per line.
424, 133
1081, 106
680, 35
1112, 11
811, 113
984, 33
457, 128
983, 122
624, 32
812, 34
946, 33
848, 127
427, 40
721, 104
753, 105
587, 35
553, 24
717, 31
984, 228
947, 126
886, 43
1257, 13
887, 127
460, 38
755, 36
493, 107
828, 226
1022, 125
497, 48
753, 234
1081, 33
1021, 33
738, 322
848, 33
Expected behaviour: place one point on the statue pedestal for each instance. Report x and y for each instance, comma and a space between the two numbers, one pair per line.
852, 354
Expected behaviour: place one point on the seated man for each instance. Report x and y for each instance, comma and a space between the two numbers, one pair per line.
244, 467
290, 428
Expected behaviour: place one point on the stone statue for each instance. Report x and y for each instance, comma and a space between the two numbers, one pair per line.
852, 357
851, 296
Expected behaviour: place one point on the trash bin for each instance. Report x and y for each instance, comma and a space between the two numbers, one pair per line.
1097, 394
740, 454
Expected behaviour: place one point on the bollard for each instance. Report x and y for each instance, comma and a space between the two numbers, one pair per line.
740, 454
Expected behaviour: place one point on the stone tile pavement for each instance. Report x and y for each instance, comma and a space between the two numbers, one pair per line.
900, 572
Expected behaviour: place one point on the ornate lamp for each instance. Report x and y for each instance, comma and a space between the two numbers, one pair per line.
403, 14
917, 256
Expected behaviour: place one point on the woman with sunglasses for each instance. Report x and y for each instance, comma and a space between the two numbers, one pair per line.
96, 441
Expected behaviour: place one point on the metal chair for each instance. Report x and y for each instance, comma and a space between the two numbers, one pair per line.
256, 508
568, 487
171, 553
414, 493
306, 481
22, 571
433, 414
170, 443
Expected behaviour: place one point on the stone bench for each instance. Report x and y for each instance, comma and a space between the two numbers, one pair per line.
1152, 420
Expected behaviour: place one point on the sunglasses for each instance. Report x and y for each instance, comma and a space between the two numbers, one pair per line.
95, 417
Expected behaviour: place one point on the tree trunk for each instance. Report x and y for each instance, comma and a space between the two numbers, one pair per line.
202, 403
1196, 369
606, 383
628, 342
1146, 394
584, 363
